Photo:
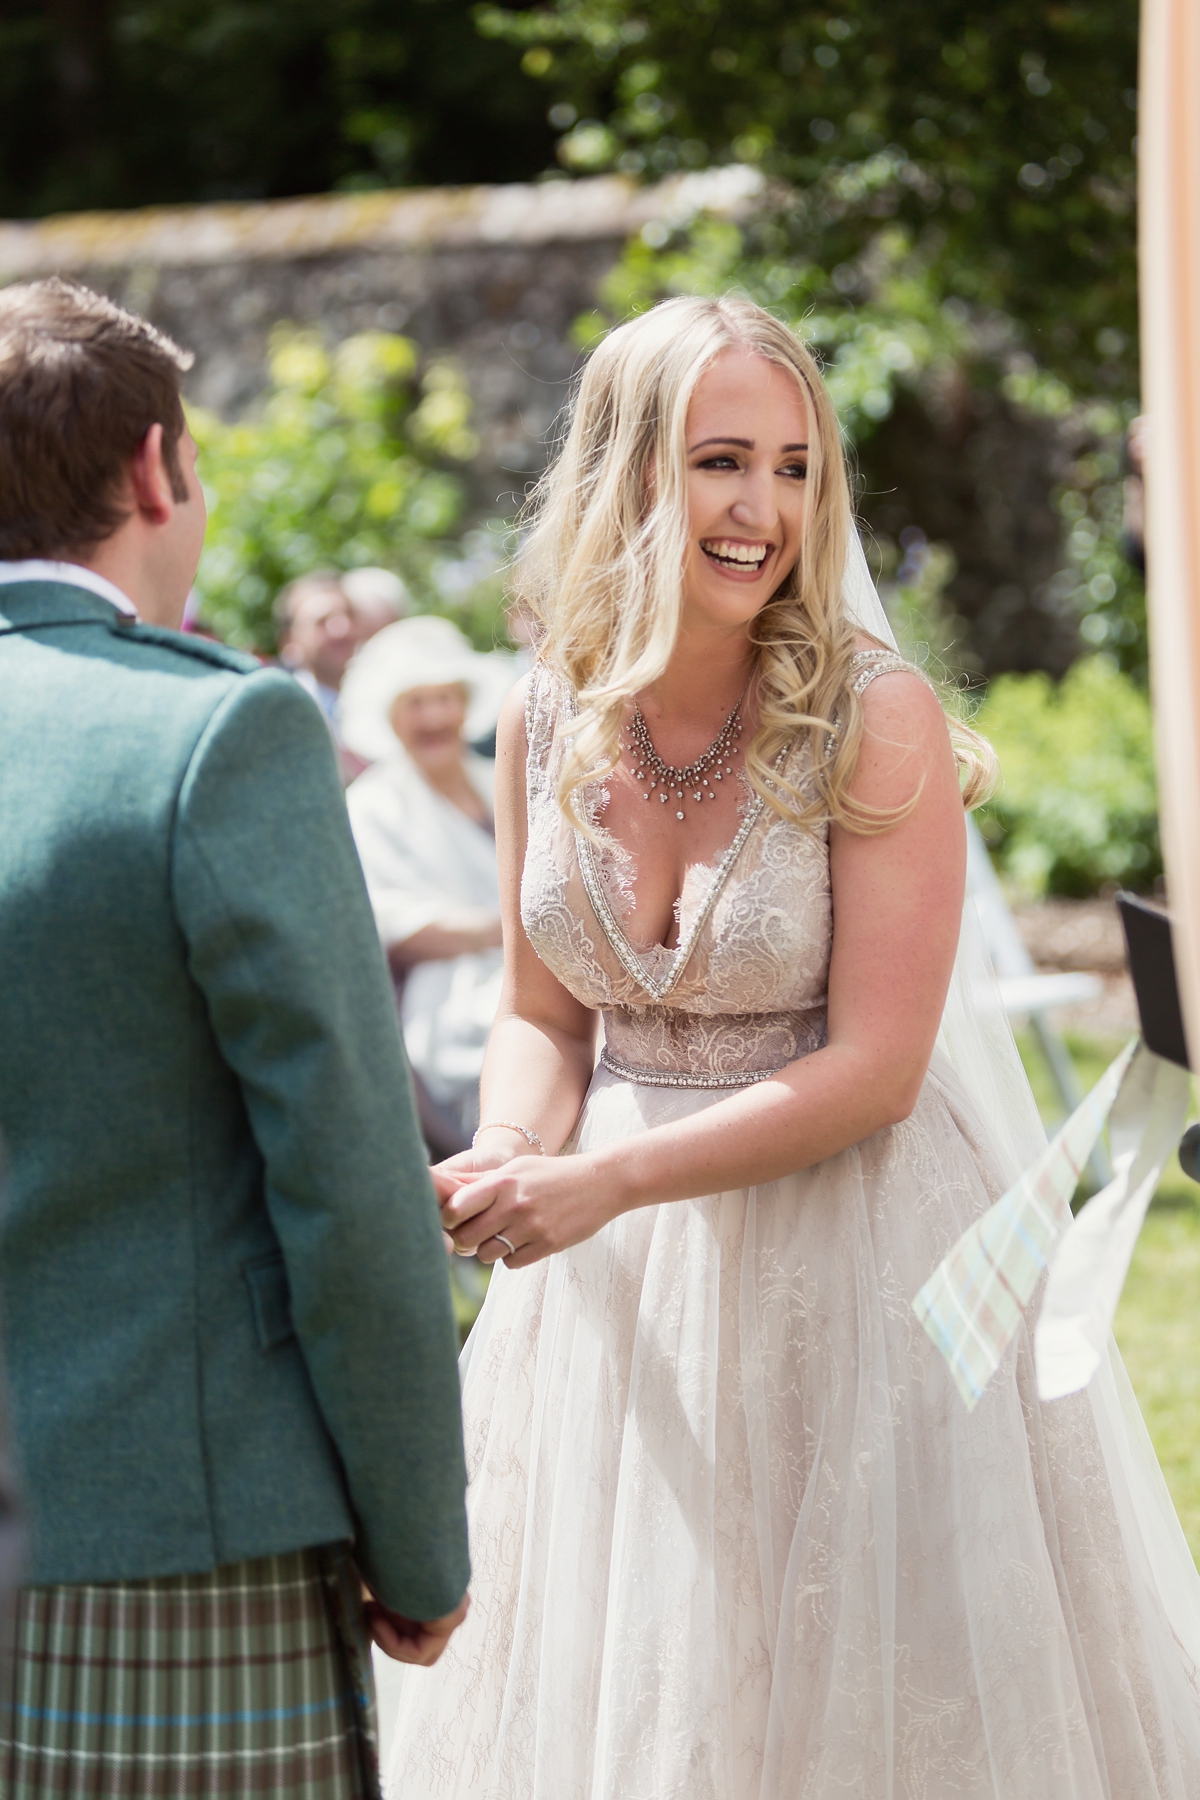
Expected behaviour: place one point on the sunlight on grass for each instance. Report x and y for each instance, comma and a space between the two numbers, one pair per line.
1158, 1329
1158, 1320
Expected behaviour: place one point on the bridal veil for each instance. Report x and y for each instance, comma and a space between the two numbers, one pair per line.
977, 1038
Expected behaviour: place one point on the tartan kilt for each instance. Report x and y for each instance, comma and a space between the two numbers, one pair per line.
252, 1679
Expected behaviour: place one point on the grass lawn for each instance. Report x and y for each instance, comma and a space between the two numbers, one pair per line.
1158, 1320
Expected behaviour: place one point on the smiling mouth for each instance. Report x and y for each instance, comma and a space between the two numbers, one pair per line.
728, 554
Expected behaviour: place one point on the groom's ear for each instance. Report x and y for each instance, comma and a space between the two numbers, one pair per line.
152, 483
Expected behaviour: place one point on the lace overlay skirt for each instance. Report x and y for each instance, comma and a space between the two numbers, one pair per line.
735, 1536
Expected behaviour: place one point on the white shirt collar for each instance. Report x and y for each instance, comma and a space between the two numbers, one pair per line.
325, 697
73, 574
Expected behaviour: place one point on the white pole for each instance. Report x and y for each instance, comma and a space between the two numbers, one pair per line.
1169, 245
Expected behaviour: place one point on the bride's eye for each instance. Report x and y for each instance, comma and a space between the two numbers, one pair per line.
718, 462
795, 471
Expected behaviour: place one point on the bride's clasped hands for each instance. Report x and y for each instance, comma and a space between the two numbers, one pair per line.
541, 1204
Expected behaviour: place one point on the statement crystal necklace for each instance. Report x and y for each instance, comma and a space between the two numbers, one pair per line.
665, 779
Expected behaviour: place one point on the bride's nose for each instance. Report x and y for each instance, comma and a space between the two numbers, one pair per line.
754, 508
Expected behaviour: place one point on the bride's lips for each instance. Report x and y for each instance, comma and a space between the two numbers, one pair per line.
741, 558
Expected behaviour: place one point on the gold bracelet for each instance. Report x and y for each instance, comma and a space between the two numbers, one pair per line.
531, 1137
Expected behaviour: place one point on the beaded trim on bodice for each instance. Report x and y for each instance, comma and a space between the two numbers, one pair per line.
743, 993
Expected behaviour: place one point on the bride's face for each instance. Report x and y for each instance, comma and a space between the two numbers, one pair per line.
747, 451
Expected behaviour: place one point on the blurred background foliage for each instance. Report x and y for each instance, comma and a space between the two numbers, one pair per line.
997, 131
946, 213
349, 460
1077, 809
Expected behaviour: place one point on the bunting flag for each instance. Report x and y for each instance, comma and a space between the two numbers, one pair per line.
1089, 1267
973, 1302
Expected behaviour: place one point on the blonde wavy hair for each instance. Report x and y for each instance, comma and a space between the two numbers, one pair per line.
600, 570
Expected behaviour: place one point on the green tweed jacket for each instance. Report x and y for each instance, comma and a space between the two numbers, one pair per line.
226, 1312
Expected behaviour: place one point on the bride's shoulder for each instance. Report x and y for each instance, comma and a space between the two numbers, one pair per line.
872, 658
531, 710
866, 645
871, 661
904, 722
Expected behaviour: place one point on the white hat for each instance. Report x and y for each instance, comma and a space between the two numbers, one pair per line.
421, 652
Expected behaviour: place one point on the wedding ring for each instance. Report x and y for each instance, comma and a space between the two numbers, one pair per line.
501, 1239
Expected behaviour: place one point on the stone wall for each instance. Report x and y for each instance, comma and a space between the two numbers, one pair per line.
495, 275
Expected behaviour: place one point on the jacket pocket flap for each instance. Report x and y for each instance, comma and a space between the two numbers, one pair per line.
270, 1298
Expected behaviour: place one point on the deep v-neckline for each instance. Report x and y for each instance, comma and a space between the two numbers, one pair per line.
638, 961
635, 961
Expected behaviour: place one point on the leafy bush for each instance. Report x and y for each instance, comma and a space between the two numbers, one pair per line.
346, 462
997, 135
1077, 805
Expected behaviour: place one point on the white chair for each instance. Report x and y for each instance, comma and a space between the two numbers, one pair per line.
1026, 994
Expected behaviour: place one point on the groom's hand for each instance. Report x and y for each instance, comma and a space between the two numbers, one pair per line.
412, 1640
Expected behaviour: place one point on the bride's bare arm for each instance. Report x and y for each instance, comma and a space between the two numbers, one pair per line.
897, 900
541, 1051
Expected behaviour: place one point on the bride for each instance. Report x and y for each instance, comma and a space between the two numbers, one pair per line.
734, 1532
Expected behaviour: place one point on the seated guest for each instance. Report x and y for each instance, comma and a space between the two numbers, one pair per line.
318, 634
322, 619
422, 820
378, 597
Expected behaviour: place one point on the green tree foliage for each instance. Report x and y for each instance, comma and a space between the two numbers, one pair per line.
1077, 803
348, 461
997, 132
114, 103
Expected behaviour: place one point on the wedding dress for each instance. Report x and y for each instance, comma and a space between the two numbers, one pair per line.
734, 1534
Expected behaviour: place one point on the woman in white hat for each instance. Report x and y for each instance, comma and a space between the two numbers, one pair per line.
422, 820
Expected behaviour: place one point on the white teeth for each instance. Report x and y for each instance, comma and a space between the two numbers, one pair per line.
728, 551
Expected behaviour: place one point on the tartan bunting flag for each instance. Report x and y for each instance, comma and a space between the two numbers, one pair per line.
972, 1304
1089, 1266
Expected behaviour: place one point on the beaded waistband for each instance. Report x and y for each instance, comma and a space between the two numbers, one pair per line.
682, 1078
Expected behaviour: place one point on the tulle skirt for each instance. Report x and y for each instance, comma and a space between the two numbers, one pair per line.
736, 1537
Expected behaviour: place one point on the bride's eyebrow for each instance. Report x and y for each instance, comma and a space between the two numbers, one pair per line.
742, 444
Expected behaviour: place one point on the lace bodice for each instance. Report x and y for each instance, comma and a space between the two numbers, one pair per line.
744, 992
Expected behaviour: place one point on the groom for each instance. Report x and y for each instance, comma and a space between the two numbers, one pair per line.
226, 1314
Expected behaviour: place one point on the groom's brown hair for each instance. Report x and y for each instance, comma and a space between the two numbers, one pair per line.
81, 383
